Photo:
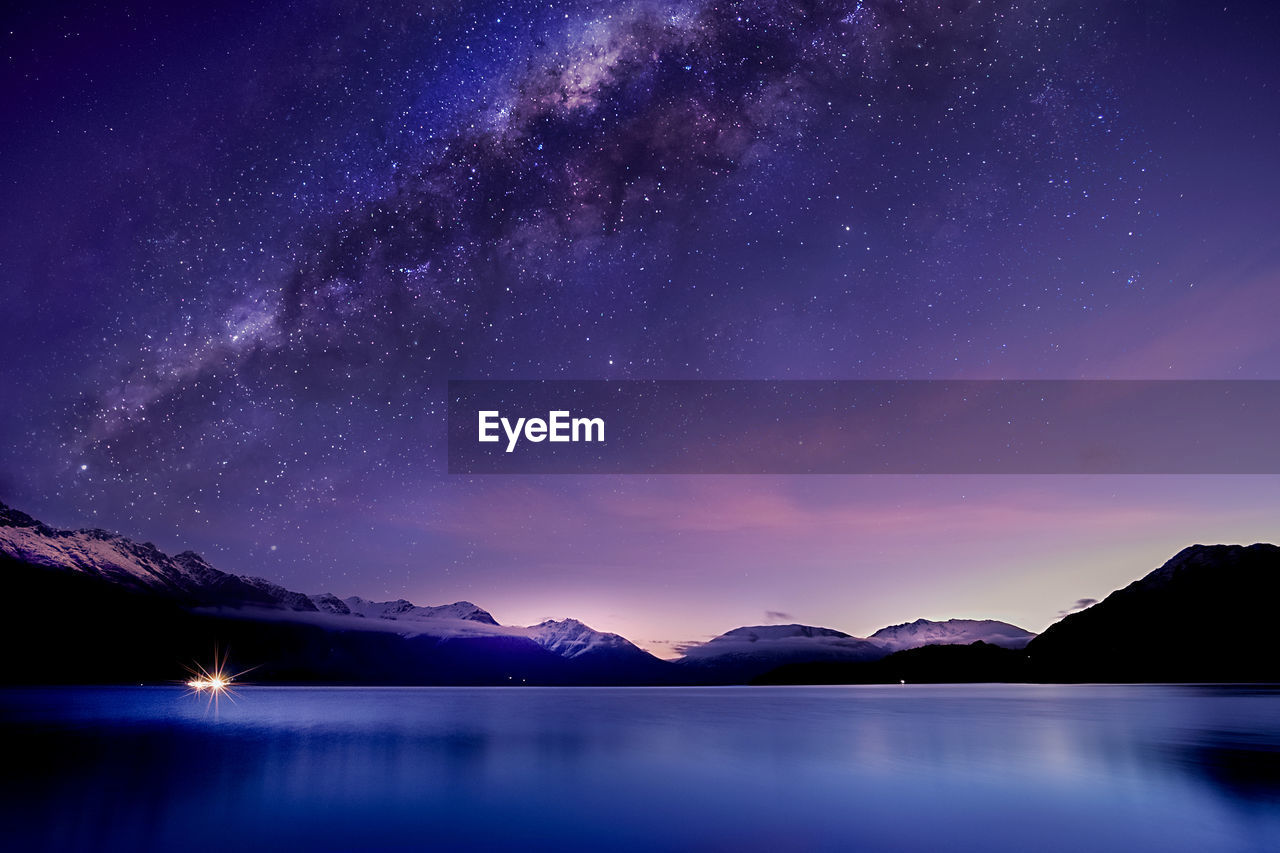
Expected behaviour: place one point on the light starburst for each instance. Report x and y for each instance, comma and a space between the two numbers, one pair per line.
215, 681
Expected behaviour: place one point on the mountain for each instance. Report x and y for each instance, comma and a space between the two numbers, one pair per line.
406, 610
1208, 614
745, 653
327, 602
923, 632
89, 605
140, 567
596, 653
98, 590
571, 639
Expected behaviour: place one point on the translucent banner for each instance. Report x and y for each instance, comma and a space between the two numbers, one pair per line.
864, 427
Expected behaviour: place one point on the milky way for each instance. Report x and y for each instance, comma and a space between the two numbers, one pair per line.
573, 173
253, 245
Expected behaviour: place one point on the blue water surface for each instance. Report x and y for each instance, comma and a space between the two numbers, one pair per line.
898, 768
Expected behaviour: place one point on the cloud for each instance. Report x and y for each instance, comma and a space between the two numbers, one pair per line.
679, 647
777, 616
1080, 604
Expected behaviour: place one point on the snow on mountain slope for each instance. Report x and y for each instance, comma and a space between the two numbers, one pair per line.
122, 561
187, 575
93, 551
407, 610
327, 602
189, 578
923, 632
570, 638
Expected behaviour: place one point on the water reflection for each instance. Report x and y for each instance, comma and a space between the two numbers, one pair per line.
882, 768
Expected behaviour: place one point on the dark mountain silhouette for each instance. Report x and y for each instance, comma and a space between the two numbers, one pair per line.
1206, 615
1209, 614
949, 664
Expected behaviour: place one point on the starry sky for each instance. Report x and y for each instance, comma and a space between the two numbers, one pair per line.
246, 245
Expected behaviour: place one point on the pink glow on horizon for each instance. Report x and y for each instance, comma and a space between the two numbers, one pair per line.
670, 560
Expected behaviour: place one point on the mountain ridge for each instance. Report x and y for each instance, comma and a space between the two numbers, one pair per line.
186, 582
925, 632
1205, 614
106, 580
189, 576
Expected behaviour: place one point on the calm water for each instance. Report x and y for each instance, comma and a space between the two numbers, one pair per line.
988, 768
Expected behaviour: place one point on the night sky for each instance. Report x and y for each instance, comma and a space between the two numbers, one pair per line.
245, 245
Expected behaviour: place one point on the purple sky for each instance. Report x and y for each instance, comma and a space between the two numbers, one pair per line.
250, 245
676, 559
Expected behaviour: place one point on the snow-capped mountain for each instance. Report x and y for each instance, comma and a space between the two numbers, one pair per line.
94, 552
142, 567
403, 610
923, 632
327, 602
743, 653
570, 638
189, 576
449, 643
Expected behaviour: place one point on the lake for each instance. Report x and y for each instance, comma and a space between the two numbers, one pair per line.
899, 768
